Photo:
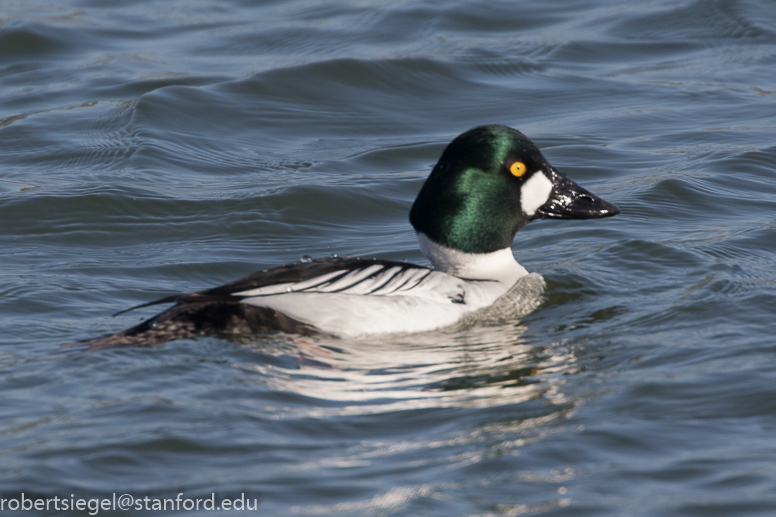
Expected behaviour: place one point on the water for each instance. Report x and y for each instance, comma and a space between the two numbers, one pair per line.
160, 147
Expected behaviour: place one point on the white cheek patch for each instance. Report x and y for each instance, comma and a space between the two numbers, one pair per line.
535, 192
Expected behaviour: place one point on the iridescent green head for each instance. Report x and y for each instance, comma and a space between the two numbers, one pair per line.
489, 182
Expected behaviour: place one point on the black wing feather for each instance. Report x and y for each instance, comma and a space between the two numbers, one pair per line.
289, 273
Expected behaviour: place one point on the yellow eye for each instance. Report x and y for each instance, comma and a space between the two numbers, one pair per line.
517, 169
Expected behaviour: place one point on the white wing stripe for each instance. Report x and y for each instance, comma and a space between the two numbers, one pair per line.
354, 280
318, 281
375, 279
423, 274
291, 286
390, 278
266, 290
349, 280
397, 283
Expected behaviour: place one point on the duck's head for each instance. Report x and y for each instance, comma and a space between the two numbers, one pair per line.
489, 182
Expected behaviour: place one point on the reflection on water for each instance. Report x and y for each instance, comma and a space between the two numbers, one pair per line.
416, 383
477, 367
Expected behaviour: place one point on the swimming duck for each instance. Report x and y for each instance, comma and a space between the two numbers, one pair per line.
489, 182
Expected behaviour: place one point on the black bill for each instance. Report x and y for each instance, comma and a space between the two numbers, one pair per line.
570, 201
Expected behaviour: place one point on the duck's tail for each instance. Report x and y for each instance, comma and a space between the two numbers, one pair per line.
190, 320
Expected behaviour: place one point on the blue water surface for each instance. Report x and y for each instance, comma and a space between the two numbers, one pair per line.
162, 146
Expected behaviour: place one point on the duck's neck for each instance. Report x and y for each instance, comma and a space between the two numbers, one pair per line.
499, 265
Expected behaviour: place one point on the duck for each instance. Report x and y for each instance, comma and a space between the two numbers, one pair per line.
489, 182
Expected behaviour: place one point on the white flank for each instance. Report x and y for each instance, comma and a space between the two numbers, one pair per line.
378, 299
535, 192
